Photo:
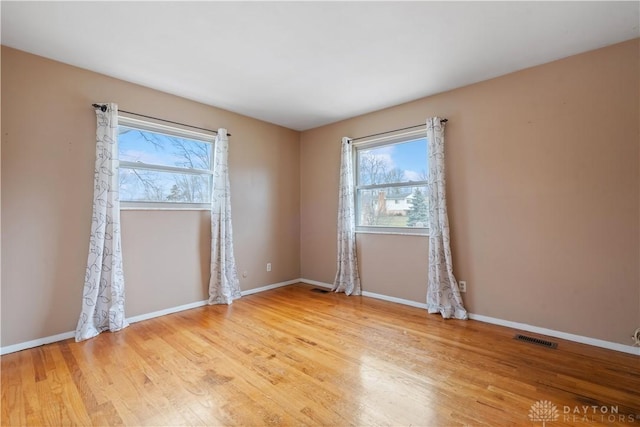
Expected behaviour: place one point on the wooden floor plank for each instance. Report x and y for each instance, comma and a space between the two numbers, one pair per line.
294, 357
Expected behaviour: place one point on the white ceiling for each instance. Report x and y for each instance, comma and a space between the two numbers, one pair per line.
305, 64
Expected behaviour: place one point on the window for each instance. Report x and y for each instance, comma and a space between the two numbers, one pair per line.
163, 167
391, 184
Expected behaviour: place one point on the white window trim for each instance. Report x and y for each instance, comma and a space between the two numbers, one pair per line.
170, 131
391, 185
164, 206
164, 129
161, 168
404, 231
397, 138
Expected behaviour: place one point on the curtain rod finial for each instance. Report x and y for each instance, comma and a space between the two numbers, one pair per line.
102, 107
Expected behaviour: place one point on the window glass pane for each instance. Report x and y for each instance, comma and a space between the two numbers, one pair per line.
393, 207
138, 145
403, 162
154, 186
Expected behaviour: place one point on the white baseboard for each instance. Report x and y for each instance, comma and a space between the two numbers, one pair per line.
394, 299
370, 294
166, 311
480, 318
515, 325
66, 335
558, 334
315, 283
36, 343
269, 287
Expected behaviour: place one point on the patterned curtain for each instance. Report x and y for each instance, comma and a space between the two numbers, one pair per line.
103, 296
443, 295
347, 279
224, 286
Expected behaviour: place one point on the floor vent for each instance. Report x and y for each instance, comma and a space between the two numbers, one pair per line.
536, 341
320, 291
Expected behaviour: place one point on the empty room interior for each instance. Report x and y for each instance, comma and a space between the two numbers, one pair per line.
320, 213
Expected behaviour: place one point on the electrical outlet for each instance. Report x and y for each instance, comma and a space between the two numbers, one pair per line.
462, 285
268, 266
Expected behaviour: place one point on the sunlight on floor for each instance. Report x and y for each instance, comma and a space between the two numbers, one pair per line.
392, 393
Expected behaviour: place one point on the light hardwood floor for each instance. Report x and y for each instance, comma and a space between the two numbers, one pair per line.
294, 357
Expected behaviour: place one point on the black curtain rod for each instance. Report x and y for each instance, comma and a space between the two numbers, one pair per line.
395, 130
104, 108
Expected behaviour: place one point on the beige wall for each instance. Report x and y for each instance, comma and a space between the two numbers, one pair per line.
543, 188
0, 188
48, 151
543, 181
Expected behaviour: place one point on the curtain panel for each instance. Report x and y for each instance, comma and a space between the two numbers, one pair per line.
443, 295
224, 286
347, 279
103, 294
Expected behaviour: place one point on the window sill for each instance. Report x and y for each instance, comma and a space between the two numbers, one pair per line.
163, 206
395, 233
136, 208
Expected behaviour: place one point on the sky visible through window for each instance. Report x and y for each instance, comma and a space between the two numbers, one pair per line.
393, 206
158, 149
404, 162
140, 184
411, 158
401, 162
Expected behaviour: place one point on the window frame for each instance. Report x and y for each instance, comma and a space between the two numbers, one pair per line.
382, 141
158, 128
